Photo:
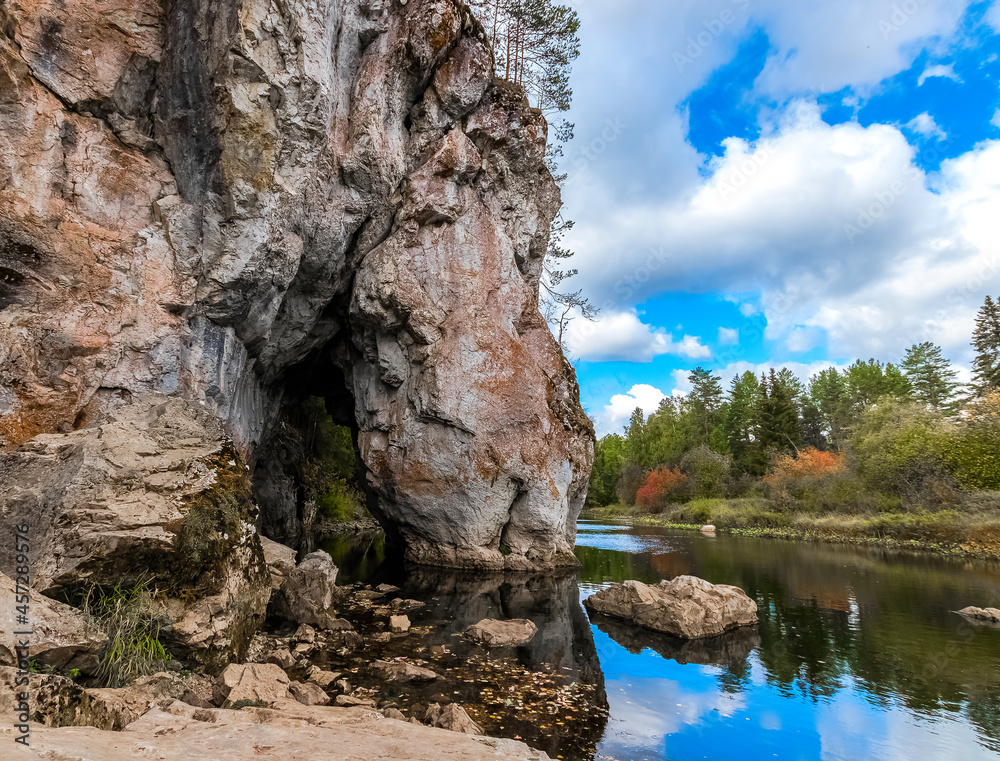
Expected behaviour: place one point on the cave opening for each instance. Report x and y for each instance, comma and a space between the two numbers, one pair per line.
308, 473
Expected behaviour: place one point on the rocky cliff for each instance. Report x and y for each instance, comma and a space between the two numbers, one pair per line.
211, 210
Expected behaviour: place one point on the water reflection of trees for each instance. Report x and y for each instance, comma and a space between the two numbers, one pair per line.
843, 617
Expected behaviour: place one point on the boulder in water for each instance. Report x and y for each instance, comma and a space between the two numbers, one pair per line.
494, 633
981, 616
687, 607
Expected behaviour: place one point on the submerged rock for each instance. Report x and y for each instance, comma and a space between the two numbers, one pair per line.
494, 633
686, 607
401, 671
981, 616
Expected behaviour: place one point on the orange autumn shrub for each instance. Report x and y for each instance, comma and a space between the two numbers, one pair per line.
811, 464
658, 486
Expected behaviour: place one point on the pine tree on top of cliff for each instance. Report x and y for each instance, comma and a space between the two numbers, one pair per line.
986, 342
535, 43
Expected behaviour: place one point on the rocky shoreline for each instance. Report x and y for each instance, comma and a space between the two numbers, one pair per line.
342, 658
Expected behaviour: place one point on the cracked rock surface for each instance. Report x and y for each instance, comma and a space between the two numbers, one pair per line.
242, 203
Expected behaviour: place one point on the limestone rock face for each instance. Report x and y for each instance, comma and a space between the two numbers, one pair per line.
240, 203
686, 607
153, 492
60, 635
290, 731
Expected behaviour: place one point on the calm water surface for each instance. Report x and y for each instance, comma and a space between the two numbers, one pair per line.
858, 654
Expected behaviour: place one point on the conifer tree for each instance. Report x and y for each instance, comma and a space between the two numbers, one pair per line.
778, 421
535, 43
744, 399
829, 393
986, 342
930, 376
704, 401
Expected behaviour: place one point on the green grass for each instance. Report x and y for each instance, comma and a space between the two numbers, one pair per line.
127, 615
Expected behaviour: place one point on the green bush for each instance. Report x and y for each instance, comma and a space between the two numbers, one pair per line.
340, 502
709, 472
898, 448
973, 456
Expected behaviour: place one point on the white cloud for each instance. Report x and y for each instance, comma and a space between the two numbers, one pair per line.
802, 339
993, 15
834, 227
925, 125
615, 415
729, 336
622, 336
939, 70
827, 45
995, 121
682, 383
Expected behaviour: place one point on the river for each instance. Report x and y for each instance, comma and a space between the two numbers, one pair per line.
858, 655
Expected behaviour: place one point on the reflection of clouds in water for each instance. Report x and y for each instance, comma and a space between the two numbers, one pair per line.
850, 731
646, 711
624, 542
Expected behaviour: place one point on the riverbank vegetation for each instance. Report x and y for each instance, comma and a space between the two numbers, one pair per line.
875, 451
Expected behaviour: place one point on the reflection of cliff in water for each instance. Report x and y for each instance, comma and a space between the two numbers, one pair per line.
549, 693
564, 641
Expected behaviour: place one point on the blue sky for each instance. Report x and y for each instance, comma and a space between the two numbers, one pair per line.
759, 182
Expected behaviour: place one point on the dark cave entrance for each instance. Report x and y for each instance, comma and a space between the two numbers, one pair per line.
308, 467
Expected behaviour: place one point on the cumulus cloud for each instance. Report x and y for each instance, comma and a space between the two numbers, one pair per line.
939, 70
622, 336
834, 226
729, 336
615, 415
925, 125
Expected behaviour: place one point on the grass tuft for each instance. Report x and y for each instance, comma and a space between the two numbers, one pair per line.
127, 614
